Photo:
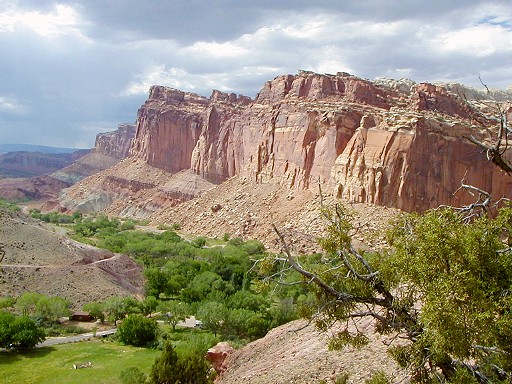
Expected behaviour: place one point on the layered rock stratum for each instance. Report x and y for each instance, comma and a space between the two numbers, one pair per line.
109, 149
389, 142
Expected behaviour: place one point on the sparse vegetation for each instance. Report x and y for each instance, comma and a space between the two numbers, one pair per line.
378, 378
9, 205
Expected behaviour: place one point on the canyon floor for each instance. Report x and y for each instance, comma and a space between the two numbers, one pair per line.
40, 257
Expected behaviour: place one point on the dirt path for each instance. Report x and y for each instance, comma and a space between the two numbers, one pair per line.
112, 258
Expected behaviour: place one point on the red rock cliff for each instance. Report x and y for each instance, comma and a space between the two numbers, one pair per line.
117, 143
389, 143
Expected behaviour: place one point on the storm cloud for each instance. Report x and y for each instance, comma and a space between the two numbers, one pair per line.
71, 69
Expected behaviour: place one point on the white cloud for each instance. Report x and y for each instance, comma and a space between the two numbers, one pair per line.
62, 20
204, 50
11, 105
479, 40
159, 75
80, 62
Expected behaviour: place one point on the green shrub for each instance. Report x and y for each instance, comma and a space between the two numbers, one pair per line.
342, 378
138, 331
132, 375
169, 368
378, 378
9, 205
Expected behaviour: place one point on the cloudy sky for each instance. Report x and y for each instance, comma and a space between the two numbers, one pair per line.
72, 68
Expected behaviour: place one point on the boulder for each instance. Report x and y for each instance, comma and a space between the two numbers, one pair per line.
217, 356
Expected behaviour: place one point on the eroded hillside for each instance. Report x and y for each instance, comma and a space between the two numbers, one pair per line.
298, 354
36, 257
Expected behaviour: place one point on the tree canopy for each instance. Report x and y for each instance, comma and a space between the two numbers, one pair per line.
138, 330
444, 285
19, 332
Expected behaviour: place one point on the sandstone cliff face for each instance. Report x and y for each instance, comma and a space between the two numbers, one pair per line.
117, 143
393, 143
109, 149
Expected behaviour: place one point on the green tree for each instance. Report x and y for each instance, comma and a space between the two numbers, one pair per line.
174, 311
132, 305
156, 281
165, 369
196, 370
26, 334
138, 330
19, 332
27, 303
42, 308
168, 368
213, 315
245, 323
149, 305
95, 309
203, 284
50, 309
199, 242
6, 319
247, 300
7, 302
446, 278
115, 308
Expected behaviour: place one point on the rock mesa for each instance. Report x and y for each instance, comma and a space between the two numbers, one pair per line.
388, 142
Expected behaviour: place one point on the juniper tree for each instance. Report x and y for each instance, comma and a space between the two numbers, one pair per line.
444, 285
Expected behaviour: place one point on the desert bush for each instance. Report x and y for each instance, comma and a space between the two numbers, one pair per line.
377, 378
132, 375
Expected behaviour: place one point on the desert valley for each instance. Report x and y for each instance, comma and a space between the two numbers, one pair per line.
221, 174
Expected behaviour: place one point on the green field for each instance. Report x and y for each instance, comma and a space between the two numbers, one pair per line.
55, 364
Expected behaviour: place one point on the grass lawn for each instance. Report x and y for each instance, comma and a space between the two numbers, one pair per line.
55, 364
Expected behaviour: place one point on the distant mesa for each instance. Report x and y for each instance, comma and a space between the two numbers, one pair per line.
4, 148
41, 176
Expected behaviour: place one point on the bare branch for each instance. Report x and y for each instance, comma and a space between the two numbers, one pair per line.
343, 296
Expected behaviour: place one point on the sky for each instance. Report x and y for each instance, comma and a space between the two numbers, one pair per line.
70, 69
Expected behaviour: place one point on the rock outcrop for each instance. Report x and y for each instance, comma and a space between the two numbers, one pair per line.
217, 356
393, 143
117, 143
109, 149
297, 353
